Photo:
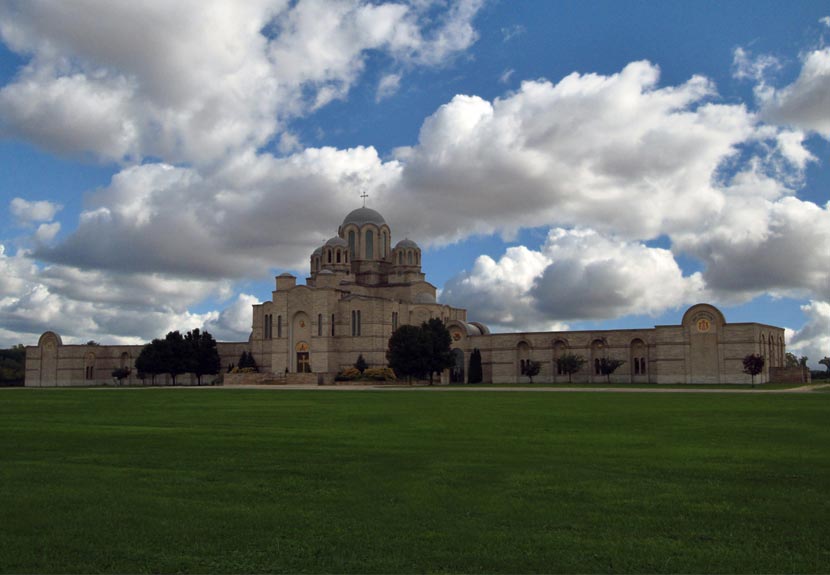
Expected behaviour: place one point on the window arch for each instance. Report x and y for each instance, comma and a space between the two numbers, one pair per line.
370, 245
351, 243
409, 257
337, 253
328, 251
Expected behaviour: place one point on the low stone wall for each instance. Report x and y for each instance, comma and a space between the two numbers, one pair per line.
789, 375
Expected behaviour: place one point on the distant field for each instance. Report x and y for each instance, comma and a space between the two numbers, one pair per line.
182, 480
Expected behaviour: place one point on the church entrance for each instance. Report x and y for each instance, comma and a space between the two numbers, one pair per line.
303, 362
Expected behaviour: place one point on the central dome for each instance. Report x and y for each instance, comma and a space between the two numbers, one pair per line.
362, 216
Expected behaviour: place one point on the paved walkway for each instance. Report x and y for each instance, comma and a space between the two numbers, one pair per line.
475, 388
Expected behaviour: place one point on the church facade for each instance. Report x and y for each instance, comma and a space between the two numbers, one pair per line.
361, 288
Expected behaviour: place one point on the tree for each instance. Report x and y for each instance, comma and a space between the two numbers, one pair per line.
360, 365
802, 362
201, 356
121, 373
790, 360
13, 365
175, 357
150, 360
753, 365
440, 344
532, 368
408, 352
570, 364
607, 366
476, 375
825, 362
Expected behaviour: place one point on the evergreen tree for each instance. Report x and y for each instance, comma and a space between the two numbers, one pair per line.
360, 365
476, 375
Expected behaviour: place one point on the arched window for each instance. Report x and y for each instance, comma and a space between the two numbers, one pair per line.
328, 251
319, 324
370, 245
338, 256
332, 325
383, 244
409, 257
417, 258
279, 326
400, 258
351, 243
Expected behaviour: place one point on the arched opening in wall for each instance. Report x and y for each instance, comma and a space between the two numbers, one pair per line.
89, 366
598, 351
409, 257
637, 358
384, 240
522, 357
457, 369
417, 259
352, 246
370, 245
560, 350
328, 254
337, 256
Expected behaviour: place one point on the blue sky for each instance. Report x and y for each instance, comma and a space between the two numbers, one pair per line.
563, 164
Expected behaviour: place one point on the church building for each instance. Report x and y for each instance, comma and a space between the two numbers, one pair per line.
361, 287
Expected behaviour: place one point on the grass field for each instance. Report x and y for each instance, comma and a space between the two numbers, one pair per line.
183, 480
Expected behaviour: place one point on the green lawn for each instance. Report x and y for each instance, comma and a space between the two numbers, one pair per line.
184, 480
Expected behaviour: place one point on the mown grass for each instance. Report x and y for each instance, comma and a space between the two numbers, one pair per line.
180, 480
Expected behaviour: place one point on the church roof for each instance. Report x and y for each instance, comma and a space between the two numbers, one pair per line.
362, 216
406, 243
337, 241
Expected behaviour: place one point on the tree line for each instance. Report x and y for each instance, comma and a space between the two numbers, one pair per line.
195, 352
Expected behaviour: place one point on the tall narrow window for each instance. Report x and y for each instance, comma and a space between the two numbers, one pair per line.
279, 326
332, 325
351, 244
354, 323
319, 324
358, 322
370, 244
383, 244
338, 256
329, 256
409, 258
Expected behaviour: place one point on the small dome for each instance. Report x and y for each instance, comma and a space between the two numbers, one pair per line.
424, 297
362, 216
337, 241
285, 275
407, 243
317, 252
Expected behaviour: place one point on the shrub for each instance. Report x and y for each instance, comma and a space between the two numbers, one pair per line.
380, 374
348, 374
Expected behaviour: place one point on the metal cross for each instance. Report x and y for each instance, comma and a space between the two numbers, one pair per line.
364, 195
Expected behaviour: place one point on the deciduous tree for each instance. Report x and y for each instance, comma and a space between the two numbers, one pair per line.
570, 364
440, 345
532, 368
201, 356
408, 352
753, 365
608, 365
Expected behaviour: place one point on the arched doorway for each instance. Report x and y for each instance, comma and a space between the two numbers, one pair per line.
300, 336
